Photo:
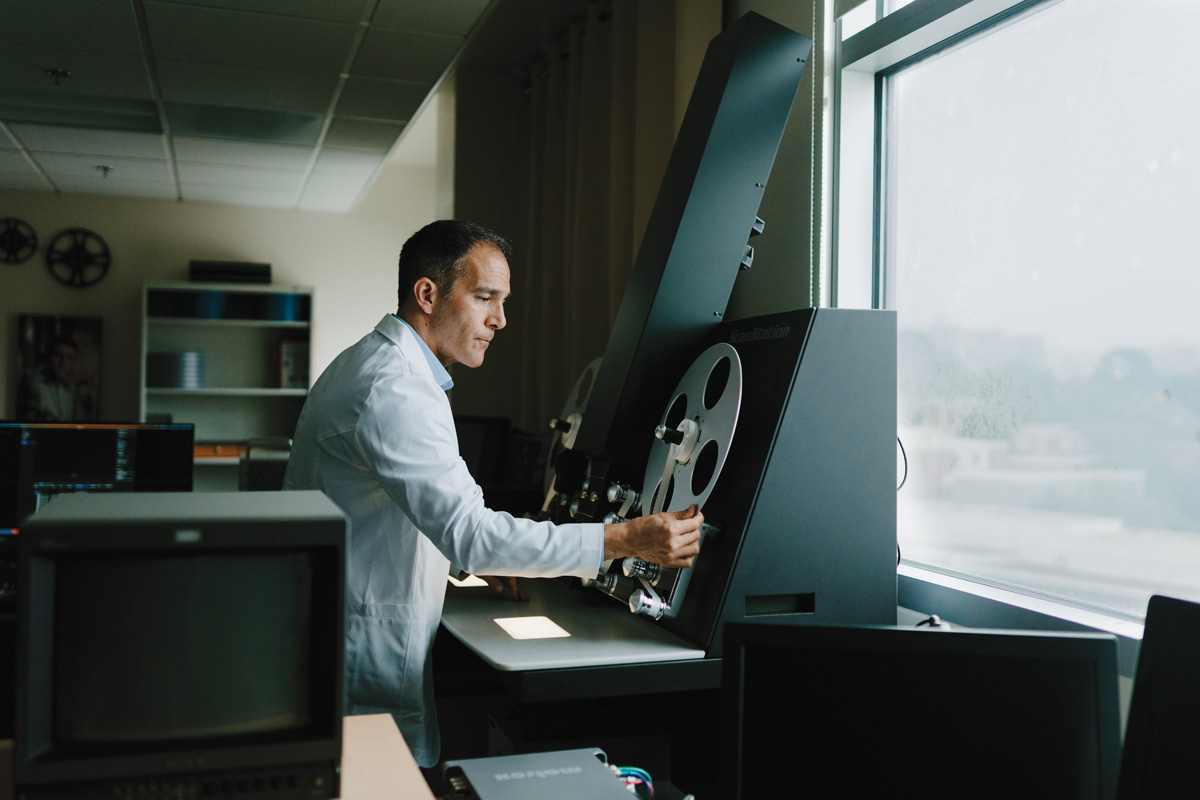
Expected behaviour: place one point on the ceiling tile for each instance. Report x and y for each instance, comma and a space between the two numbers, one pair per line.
81, 118
106, 74
14, 166
163, 190
405, 55
104, 25
380, 99
239, 195
333, 10
246, 87
60, 139
208, 35
421, 15
242, 123
6, 140
62, 166
30, 182
252, 154
362, 134
343, 171
191, 174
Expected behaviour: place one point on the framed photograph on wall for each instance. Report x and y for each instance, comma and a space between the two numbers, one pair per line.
58, 368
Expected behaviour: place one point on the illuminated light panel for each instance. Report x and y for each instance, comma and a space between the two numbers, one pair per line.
531, 628
470, 580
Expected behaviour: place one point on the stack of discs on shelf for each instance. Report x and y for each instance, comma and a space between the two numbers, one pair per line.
175, 370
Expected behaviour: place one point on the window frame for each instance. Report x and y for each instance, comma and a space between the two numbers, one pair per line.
860, 64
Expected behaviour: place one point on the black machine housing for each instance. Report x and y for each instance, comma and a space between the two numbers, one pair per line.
805, 502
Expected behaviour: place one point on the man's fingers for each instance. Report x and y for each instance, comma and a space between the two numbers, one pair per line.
506, 584
689, 512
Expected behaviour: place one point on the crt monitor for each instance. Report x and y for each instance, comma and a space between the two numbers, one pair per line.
180, 645
881, 711
41, 460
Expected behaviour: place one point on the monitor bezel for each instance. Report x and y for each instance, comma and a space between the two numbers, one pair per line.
36, 761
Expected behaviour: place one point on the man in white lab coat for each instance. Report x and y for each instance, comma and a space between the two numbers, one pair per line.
377, 436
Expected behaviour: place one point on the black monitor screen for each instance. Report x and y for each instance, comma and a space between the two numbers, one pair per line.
39, 461
162, 648
889, 712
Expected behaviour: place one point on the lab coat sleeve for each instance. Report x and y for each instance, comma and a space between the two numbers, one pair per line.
406, 436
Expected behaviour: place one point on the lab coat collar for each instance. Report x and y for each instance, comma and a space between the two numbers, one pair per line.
400, 332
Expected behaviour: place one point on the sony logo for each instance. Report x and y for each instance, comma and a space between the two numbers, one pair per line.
538, 773
758, 334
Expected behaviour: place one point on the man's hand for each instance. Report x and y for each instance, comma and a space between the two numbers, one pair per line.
671, 539
501, 585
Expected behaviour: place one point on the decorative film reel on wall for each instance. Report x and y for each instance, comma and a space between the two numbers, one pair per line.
694, 433
78, 257
18, 240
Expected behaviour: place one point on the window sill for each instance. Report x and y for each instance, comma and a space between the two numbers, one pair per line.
978, 605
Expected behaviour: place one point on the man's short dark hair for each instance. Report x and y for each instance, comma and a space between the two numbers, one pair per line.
437, 252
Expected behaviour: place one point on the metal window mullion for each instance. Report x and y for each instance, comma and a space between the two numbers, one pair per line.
878, 220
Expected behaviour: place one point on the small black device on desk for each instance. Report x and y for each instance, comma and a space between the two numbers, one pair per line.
555, 775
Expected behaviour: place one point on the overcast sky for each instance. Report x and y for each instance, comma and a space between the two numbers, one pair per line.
1048, 179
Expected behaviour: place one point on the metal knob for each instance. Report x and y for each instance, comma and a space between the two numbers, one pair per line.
635, 567
642, 603
669, 435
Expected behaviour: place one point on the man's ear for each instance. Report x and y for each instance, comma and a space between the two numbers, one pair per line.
425, 292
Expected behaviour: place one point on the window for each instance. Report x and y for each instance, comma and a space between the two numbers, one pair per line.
1020, 188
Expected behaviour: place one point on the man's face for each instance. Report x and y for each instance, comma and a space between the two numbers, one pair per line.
463, 323
63, 361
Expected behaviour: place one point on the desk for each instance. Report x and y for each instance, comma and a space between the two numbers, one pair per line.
376, 763
610, 652
619, 682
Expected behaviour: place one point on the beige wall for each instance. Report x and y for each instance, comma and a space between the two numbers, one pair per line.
349, 259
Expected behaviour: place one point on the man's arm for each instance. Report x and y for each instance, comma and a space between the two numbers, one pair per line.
671, 539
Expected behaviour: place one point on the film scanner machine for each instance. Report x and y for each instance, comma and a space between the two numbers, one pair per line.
781, 428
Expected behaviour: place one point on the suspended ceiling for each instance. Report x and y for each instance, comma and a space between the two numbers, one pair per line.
273, 103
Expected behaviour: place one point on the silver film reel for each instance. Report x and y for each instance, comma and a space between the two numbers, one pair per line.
566, 427
694, 434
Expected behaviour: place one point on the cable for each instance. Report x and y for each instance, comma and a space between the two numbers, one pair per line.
634, 777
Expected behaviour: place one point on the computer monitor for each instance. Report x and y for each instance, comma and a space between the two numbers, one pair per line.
181, 645
879, 711
1162, 735
41, 460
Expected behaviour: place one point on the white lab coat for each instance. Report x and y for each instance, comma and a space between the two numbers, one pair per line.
376, 435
